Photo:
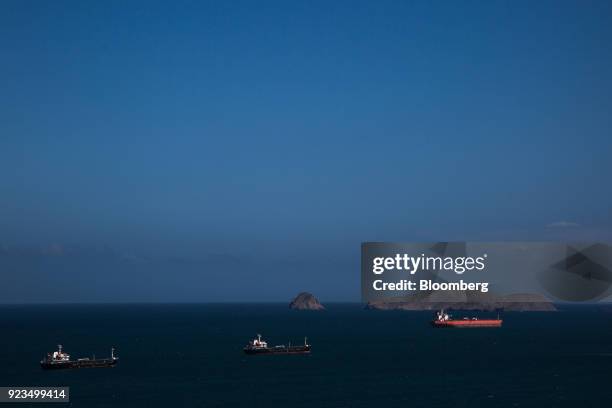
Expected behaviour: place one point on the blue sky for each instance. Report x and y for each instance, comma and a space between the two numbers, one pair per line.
154, 135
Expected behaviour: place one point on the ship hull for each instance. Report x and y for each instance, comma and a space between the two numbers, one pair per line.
467, 324
277, 350
62, 365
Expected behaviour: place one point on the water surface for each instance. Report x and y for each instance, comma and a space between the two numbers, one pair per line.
190, 355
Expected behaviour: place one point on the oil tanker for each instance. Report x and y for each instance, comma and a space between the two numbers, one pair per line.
444, 320
60, 359
259, 346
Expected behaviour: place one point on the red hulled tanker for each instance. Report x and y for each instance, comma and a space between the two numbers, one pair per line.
444, 320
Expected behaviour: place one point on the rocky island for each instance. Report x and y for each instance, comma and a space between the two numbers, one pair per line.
306, 301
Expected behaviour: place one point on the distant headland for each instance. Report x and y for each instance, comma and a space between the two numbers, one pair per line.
461, 300
306, 301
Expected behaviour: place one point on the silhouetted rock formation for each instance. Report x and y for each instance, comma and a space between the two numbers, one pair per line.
306, 301
459, 300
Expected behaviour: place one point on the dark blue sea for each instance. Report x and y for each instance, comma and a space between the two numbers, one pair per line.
191, 356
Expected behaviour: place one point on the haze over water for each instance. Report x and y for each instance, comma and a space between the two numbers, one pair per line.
242, 151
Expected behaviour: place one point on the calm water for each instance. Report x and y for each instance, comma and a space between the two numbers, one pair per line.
190, 355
